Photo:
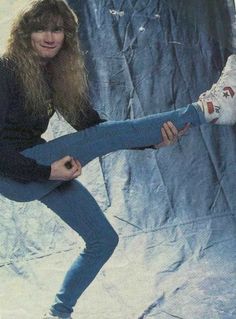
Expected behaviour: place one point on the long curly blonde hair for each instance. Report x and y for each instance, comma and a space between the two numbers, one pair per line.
66, 69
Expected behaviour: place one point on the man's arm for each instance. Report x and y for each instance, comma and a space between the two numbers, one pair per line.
12, 163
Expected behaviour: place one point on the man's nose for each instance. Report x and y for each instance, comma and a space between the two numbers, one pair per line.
48, 37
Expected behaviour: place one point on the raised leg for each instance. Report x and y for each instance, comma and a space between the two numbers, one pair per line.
112, 136
96, 141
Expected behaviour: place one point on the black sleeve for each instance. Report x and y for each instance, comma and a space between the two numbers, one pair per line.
12, 163
21, 168
88, 118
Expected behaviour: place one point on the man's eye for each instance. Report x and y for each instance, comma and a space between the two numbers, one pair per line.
40, 30
58, 29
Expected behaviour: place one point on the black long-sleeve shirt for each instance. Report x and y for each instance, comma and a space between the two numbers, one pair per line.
19, 130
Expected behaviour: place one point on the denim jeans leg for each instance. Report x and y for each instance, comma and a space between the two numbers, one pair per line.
97, 141
76, 206
111, 136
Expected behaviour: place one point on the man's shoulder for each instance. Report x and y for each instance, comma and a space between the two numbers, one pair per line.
7, 68
7, 64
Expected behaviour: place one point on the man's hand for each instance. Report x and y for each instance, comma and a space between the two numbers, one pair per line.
170, 134
65, 169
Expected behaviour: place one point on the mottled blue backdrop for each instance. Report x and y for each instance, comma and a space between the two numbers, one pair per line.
149, 56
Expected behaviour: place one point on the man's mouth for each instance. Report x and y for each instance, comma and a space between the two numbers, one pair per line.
48, 47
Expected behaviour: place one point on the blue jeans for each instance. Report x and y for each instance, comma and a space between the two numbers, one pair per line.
73, 203
95, 141
76, 206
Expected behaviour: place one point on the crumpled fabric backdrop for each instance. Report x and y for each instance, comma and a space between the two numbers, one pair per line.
174, 208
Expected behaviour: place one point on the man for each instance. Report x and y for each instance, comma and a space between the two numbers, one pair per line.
42, 72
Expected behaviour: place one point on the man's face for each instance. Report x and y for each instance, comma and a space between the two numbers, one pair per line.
48, 41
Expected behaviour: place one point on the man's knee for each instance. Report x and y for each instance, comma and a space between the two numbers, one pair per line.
108, 243
113, 240
103, 244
